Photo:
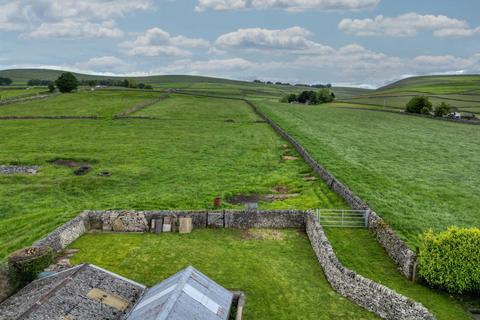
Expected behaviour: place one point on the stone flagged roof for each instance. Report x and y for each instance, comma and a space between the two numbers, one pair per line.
188, 294
82, 292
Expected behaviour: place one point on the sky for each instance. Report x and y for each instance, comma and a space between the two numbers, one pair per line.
344, 42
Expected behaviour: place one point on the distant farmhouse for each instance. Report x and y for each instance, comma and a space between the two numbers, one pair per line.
89, 292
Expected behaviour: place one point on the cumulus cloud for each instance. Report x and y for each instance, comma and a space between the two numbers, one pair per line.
157, 42
76, 30
92, 18
289, 5
103, 64
294, 39
405, 25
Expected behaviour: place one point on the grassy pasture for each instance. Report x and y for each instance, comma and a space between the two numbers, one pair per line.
18, 93
416, 173
277, 269
435, 84
83, 103
154, 164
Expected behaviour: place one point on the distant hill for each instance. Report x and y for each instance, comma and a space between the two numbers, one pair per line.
436, 84
21, 76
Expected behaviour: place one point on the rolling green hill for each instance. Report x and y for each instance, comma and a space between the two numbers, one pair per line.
435, 84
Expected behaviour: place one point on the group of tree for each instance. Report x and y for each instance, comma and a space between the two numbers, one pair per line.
318, 86
422, 105
126, 83
38, 82
311, 97
5, 81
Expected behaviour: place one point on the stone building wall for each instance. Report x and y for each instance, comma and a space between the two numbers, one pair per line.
396, 248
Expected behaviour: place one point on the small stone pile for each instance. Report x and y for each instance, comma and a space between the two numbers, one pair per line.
9, 169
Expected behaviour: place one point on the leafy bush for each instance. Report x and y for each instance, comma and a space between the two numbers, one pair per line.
419, 105
442, 109
5, 81
451, 259
27, 263
66, 82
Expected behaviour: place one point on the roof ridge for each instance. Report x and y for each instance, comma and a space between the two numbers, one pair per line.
176, 294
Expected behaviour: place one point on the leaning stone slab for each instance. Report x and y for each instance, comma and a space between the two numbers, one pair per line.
10, 169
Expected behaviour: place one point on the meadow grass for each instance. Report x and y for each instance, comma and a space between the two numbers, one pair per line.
185, 107
358, 250
277, 269
18, 93
82, 103
154, 164
416, 173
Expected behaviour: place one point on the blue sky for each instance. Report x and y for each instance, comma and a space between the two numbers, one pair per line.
347, 42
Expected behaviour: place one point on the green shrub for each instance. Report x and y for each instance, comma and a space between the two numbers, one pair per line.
27, 263
442, 109
66, 82
418, 104
451, 259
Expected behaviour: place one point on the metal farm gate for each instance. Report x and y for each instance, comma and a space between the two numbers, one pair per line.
343, 218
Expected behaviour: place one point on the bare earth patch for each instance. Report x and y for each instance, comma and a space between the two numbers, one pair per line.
263, 234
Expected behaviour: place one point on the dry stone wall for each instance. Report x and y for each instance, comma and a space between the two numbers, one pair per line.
368, 294
396, 248
372, 296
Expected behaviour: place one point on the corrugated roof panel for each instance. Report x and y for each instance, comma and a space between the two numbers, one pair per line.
188, 294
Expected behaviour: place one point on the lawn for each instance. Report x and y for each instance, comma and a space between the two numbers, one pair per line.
277, 269
154, 164
83, 103
416, 173
358, 250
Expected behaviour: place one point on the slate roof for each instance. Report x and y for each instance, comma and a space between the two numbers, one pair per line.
82, 292
188, 294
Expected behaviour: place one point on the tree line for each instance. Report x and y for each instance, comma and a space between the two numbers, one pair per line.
310, 97
5, 81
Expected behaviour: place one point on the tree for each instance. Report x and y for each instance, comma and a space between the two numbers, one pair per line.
419, 105
325, 96
66, 82
5, 81
309, 97
51, 87
92, 83
442, 109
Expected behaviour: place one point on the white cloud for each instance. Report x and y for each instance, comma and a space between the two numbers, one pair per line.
76, 30
91, 18
210, 67
290, 5
456, 32
157, 42
405, 25
290, 40
103, 64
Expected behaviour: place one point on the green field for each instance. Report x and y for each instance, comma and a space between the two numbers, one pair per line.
83, 103
6, 94
358, 250
416, 173
174, 164
277, 269
462, 92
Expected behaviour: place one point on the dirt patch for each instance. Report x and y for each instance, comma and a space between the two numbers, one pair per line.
263, 234
253, 198
290, 158
70, 163
82, 171
280, 189
310, 178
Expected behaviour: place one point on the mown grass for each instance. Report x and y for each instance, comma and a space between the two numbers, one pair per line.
82, 103
154, 164
416, 173
278, 271
358, 250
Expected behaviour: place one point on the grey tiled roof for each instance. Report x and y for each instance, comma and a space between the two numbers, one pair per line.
82, 292
188, 294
